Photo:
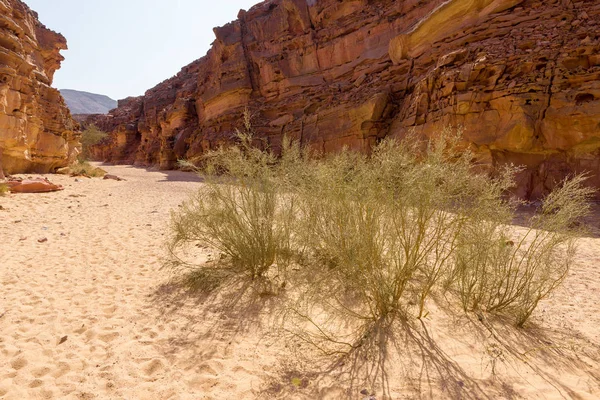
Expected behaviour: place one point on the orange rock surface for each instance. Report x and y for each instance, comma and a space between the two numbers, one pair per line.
37, 133
520, 77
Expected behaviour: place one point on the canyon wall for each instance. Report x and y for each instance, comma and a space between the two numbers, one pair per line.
37, 133
521, 78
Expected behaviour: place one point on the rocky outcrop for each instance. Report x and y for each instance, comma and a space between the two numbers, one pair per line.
37, 133
521, 78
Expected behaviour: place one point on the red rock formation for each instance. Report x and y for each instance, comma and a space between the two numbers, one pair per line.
521, 77
37, 133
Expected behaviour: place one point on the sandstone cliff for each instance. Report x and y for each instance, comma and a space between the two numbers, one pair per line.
521, 77
37, 133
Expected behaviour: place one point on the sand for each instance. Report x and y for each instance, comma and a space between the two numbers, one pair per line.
87, 312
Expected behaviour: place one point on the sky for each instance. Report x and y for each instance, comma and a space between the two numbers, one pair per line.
122, 48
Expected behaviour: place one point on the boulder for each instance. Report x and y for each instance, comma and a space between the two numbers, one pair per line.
32, 186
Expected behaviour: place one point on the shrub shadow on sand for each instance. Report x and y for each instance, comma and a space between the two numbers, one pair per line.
216, 311
407, 357
412, 358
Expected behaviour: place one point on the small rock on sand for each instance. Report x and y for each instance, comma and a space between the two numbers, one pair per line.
113, 177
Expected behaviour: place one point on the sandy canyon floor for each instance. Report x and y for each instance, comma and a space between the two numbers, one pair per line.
88, 313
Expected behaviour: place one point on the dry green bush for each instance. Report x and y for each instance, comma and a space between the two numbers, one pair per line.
83, 168
499, 270
383, 231
375, 234
90, 137
360, 240
386, 228
240, 211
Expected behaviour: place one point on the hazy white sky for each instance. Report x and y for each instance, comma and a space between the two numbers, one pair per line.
122, 48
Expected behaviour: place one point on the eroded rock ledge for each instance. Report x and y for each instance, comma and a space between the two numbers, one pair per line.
37, 133
521, 77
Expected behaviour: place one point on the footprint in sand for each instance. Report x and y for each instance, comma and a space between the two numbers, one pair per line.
36, 383
109, 337
202, 383
19, 363
47, 395
109, 311
210, 368
90, 334
72, 356
48, 314
153, 367
11, 375
109, 290
63, 369
240, 370
40, 372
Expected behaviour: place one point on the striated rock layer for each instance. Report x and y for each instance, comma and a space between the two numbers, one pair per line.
37, 133
521, 77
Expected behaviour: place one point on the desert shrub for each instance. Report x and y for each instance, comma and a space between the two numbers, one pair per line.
3, 189
383, 230
388, 230
239, 211
499, 270
90, 137
375, 234
371, 238
353, 234
84, 168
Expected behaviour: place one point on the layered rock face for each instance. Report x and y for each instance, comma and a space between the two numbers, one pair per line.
37, 133
521, 78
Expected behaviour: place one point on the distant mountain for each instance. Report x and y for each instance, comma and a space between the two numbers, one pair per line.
87, 103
